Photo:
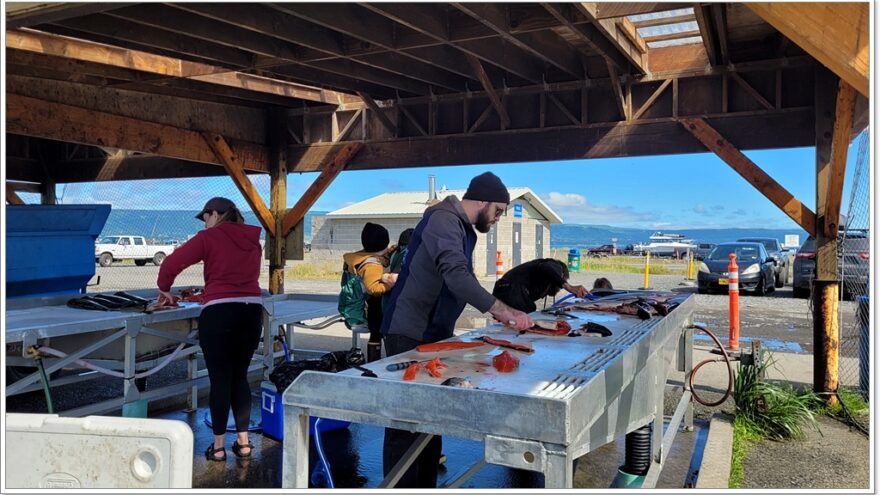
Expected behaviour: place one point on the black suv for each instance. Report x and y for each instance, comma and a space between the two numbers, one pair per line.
774, 249
854, 256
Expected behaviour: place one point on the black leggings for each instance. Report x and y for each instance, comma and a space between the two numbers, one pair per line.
374, 318
229, 334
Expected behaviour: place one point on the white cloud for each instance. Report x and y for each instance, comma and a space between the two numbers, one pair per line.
561, 200
699, 209
575, 208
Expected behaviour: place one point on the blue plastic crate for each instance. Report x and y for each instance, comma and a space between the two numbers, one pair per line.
50, 249
272, 414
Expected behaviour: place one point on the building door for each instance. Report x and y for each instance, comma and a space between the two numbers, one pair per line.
539, 241
491, 249
517, 244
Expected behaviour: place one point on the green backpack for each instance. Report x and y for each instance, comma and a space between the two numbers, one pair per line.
352, 296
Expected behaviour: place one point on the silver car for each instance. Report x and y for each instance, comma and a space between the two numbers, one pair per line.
854, 256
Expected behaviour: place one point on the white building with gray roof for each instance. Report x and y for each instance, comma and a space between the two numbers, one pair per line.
522, 233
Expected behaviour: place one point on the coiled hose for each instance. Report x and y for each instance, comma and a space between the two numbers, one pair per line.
725, 358
323, 469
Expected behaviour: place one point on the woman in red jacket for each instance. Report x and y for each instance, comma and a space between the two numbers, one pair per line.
231, 322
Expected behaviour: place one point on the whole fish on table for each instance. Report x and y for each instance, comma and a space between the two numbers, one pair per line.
447, 346
506, 343
553, 328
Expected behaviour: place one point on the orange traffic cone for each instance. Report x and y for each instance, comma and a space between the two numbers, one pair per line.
499, 265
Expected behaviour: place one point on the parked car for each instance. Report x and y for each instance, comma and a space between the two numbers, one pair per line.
130, 247
603, 250
703, 249
774, 249
756, 268
854, 256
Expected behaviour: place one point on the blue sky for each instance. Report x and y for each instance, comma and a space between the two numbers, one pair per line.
663, 192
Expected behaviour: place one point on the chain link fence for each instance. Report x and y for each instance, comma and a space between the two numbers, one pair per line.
854, 270
162, 213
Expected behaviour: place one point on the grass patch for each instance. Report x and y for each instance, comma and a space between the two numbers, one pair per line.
323, 270
766, 410
627, 264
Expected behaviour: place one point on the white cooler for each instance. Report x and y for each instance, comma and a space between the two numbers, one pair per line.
48, 451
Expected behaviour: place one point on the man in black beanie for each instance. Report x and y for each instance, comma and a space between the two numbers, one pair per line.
435, 282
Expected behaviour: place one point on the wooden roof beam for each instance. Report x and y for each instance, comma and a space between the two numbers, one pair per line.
492, 50
606, 10
544, 45
40, 118
264, 21
490, 91
11, 197
753, 174
374, 107
631, 32
164, 67
621, 42
719, 16
591, 36
836, 34
672, 36
704, 22
26, 14
663, 21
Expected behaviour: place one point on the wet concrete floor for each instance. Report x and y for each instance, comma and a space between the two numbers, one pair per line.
355, 458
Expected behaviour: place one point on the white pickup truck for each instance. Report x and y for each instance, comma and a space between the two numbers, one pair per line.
130, 247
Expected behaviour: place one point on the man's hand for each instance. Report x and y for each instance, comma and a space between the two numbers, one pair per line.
511, 317
578, 290
166, 298
389, 250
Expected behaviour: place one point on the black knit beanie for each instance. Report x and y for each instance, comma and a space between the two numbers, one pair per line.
374, 237
487, 187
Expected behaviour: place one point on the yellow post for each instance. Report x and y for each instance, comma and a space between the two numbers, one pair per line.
690, 265
647, 267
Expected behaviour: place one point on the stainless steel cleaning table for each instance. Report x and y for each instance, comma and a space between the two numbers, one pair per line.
572, 395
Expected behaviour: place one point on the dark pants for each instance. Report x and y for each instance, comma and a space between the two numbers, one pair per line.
423, 471
229, 334
374, 318
514, 295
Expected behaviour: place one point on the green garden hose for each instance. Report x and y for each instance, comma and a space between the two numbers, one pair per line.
45, 379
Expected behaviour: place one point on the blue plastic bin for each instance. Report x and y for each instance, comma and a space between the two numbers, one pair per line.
272, 414
50, 249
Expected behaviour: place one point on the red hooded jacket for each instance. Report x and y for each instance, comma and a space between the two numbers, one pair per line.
232, 256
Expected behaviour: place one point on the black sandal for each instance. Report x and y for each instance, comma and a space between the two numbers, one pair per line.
210, 454
236, 449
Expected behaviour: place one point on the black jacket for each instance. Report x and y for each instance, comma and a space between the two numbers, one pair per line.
532, 280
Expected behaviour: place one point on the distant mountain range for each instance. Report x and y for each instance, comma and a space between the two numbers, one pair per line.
586, 236
165, 225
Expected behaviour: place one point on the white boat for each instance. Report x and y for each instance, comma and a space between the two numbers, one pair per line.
664, 244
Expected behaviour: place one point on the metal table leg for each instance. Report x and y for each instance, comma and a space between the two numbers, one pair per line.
558, 470
295, 468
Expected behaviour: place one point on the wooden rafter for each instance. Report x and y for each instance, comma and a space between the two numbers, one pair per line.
621, 42
11, 197
374, 107
543, 45
480, 74
358, 115
296, 214
652, 99
753, 174
591, 36
672, 36
846, 101
704, 22
719, 16
234, 168
662, 21
406, 113
164, 67
571, 118
24, 14
836, 34
630, 30
40, 118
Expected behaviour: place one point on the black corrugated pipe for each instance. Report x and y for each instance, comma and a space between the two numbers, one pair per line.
638, 451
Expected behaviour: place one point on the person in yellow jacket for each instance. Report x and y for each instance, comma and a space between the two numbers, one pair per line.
369, 264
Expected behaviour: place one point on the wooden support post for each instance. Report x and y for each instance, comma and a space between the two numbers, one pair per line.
47, 193
374, 107
233, 167
11, 197
276, 127
783, 199
299, 210
826, 284
846, 102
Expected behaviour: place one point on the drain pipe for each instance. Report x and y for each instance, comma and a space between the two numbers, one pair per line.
638, 459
